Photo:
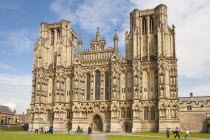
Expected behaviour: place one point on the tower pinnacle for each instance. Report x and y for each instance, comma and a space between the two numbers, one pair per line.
98, 35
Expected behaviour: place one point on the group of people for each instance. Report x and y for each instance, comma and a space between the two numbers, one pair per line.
177, 133
80, 131
48, 130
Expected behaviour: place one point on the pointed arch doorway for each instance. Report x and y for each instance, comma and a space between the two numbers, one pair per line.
97, 124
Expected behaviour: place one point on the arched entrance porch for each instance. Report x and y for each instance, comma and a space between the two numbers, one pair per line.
97, 124
126, 127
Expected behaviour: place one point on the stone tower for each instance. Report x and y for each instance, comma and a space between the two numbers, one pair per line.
150, 46
54, 54
98, 88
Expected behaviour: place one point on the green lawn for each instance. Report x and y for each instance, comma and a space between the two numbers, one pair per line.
109, 137
192, 135
43, 137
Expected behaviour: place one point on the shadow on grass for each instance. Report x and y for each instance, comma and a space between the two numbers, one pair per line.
182, 134
43, 137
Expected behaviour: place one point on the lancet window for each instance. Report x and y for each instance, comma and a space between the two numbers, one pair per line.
151, 25
88, 87
144, 25
107, 85
97, 85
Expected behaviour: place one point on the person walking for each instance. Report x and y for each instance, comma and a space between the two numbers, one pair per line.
37, 130
89, 130
177, 131
46, 130
42, 130
167, 132
78, 129
50, 130
187, 135
69, 131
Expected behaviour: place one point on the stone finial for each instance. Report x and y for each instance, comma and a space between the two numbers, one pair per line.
98, 35
191, 94
173, 26
80, 44
115, 35
80, 39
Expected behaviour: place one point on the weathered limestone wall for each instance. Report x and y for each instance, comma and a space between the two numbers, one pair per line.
194, 121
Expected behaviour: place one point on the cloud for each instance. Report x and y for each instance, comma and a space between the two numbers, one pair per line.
17, 41
15, 91
6, 67
108, 15
202, 90
9, 5
11, 105
91, 14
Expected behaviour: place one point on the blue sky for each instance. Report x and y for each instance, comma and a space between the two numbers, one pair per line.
20, 27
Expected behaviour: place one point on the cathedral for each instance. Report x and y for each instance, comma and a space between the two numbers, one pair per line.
99, 88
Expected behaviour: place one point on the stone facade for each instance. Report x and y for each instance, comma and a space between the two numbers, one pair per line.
97, 87
6, 115
195, 113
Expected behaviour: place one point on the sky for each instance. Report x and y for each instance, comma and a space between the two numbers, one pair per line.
20, 29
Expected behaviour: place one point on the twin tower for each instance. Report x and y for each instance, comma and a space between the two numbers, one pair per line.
100, 89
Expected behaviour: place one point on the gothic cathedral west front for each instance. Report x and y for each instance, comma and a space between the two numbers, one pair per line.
99, 88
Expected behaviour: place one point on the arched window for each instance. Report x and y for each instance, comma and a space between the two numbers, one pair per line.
97, 85
122, 112
144, 25
107, 86
52, 37
50, 116
151, 24
146, 113
153, 114
88, 87
129, 113
68, 114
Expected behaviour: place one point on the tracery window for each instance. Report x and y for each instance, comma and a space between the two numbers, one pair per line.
52, 37
151, 24
144, 25
153, 114
88, 87
122, 113
107, 86
146, 112
129, 113
68, 115
97, 85
50, 116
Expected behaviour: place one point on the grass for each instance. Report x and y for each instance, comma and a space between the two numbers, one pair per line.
43, 137
110, 137
192, 135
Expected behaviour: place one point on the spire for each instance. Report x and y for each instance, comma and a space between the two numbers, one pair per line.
98, 35
115, 35
115, 41
80, 39
80, 44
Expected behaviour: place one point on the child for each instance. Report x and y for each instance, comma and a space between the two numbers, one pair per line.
187, 133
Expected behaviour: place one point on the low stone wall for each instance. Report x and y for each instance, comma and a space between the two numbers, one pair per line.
194, 121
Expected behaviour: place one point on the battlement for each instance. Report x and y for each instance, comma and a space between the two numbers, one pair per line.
59, 27
194, 100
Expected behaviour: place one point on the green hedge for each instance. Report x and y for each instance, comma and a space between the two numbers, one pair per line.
14, 128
